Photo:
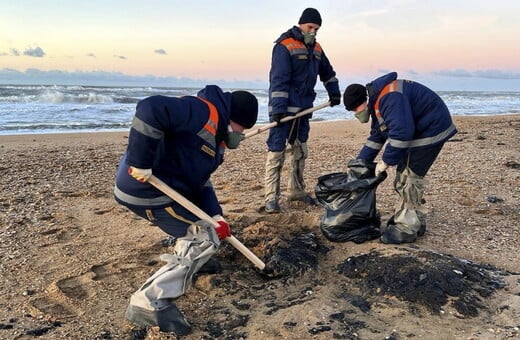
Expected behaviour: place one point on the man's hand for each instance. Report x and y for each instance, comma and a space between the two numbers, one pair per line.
223, 230
276, 117
142, 175
380, 168
335, 99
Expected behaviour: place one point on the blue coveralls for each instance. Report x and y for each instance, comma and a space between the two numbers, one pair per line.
418, 123
181, 140
414, 122
295, 68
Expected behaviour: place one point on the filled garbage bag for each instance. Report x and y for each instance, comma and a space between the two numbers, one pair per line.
350, 202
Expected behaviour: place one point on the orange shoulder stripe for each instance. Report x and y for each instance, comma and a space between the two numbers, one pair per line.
212, 124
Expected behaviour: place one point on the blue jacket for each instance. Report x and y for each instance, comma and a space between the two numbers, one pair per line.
414, 115
294, 71
182, 142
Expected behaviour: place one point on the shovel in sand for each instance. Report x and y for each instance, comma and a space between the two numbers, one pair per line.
174, 195
286, 119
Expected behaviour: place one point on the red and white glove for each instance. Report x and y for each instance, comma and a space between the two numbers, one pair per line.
223, 230
142, 175
380, 167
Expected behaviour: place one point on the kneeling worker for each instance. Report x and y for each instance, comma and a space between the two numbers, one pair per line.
181, 141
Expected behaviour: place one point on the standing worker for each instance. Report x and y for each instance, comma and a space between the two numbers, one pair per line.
297, 61
414, 122
181, 141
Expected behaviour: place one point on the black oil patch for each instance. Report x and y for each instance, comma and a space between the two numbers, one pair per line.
293, 257
426, 278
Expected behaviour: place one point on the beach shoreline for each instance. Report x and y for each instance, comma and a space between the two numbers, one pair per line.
71, 254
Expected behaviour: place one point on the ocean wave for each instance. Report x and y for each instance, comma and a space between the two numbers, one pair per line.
59, 108
55, 97
55, 127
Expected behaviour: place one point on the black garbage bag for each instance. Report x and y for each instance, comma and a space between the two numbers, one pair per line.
350, 203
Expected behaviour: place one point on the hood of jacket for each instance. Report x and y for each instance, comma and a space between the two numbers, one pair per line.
376, 86
293, 32
222, 102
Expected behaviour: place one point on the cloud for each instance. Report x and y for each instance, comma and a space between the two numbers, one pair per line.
103, 78
122, 57
486, 74
457, 80
36, 52
160, 51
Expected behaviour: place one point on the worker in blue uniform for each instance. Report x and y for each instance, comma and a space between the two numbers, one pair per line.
297, 61
414, 123
181, 141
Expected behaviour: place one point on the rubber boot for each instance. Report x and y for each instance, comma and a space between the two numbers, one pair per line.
406, 223
297, 154
273, 171
212, 266
164, 314
152, 304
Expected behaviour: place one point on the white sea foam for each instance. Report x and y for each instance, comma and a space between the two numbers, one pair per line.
44, 109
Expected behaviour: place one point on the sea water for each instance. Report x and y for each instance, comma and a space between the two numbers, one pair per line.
56, 109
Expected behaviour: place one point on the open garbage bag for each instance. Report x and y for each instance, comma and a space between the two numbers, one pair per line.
350, 203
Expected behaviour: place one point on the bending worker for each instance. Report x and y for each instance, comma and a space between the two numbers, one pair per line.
297, 61
181, 141
414, 122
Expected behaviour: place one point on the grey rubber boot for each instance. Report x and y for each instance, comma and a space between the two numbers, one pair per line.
164, 314
297, 154
152, 304
272, 207
408, 221
273, 172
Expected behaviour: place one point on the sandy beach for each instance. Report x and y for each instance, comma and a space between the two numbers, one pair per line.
71, 256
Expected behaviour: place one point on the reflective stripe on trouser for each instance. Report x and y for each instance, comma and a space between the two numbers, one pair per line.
296, 154
174, 279
410, 188
273, 171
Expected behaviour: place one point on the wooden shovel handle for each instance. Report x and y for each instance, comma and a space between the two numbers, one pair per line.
286, 119
174, 195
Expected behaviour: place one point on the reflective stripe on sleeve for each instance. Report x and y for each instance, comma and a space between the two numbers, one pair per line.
373, 145
279, 94
138, 201
422, 141
146, 129
331, 80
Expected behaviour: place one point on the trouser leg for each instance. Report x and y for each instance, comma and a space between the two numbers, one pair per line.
407, 222
273, 171
151, 304
410, 188
297, 154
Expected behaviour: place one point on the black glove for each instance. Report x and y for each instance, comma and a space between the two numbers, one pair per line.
275, 117
335, 99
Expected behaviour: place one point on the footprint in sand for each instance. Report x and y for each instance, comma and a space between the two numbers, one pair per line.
63, 298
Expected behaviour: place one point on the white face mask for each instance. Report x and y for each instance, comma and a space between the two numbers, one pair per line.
363, 116
309, 38
233, 138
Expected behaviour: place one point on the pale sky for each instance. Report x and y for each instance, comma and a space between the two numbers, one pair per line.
446, 44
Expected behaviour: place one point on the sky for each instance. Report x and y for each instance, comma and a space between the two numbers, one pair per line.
444, 44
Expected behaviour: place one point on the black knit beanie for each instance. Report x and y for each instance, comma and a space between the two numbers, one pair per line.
355, 95
310, 15
244, 108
